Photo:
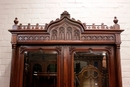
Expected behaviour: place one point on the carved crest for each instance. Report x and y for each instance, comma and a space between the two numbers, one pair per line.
67, 29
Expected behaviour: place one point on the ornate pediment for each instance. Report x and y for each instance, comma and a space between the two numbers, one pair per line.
66, 29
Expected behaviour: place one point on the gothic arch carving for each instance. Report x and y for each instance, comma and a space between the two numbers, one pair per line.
65, 21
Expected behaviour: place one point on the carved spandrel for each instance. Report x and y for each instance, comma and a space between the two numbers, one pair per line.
22, 49
71, 49
109, 48
58, 48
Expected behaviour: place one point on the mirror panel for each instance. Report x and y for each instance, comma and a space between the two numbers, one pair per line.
91, 69
40, 68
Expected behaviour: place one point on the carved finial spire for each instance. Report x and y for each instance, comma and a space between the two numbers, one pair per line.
16, 21
65, 14
115, 20
116, 26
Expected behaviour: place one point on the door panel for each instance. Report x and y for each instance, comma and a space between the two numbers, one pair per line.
42, 67
68, 66
91, 66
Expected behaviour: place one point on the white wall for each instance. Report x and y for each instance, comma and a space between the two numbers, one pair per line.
43, 11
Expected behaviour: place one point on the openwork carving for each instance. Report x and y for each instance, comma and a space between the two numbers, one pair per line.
67, 29
30, 27
33, 37
63, 33
98, 37
65, 15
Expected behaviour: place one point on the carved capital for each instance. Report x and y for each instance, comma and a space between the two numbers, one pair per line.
13, 46
117, 46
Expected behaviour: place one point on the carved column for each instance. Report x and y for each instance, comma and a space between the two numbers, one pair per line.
13, 74
118, 65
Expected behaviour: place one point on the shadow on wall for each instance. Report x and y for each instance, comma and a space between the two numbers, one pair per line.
5, 75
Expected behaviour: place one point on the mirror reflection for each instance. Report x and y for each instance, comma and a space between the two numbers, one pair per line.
40, 68
91, 69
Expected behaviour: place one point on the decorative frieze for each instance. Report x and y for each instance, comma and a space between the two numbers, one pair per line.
33, 37
98, 37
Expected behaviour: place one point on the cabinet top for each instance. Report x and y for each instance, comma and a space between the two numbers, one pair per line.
65, 30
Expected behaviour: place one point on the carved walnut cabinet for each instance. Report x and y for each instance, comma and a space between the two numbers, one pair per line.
65, 53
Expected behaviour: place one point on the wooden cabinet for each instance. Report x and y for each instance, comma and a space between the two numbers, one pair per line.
66, 53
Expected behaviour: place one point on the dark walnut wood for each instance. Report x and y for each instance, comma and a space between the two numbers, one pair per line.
44, 55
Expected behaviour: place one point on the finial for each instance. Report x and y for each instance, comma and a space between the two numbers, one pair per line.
65, 14
115, 20
15, 24
116, 26
16, 21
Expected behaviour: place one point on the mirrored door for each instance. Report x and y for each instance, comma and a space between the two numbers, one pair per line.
68, 66
90, 66
90, 69
41, 68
